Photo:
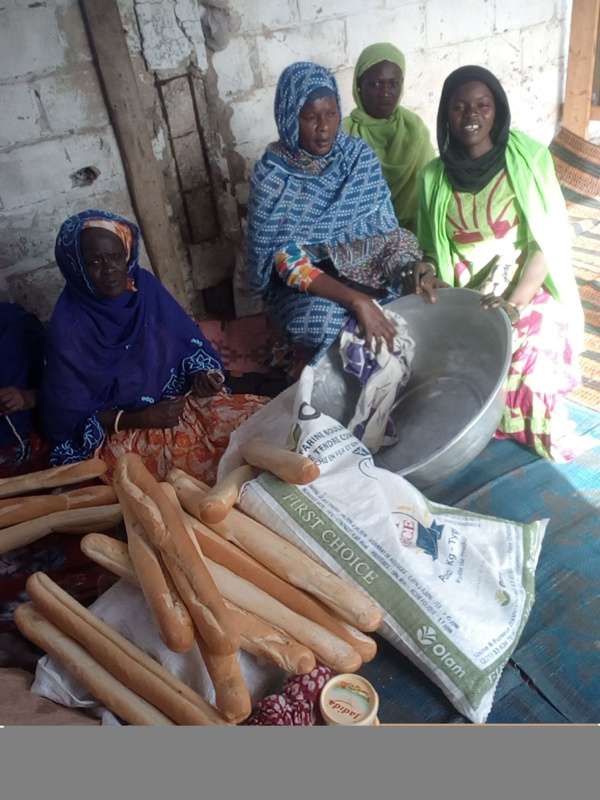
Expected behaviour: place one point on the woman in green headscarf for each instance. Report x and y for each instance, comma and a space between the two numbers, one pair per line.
399, 136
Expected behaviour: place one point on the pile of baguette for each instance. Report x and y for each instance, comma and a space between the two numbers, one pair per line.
30, 509
212, 577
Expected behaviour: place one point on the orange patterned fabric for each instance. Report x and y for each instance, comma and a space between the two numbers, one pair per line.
124, 232
195, 445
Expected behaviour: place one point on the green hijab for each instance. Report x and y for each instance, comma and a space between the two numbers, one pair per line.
402, 141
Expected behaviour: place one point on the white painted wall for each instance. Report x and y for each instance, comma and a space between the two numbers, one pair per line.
54, 122
524, 44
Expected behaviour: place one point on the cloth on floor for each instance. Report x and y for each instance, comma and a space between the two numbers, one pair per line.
298, 702
18, 706
382, 377
124, 608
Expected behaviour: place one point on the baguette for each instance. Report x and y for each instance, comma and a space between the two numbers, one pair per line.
217, 502
257, 637
20, 509
112, 554
284, 559
65, 475
266, 641
165, 530
172, 618
78, 520
232, 696
287, 465
329, 649
197, 609
101, 684
232, 557
123, 659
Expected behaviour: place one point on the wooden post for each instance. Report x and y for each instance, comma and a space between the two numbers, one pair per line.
580, 66
142, 171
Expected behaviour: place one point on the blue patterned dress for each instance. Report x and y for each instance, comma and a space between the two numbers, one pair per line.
335, 207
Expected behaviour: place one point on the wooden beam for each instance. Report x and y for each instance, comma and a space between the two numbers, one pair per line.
580, 66
142, 171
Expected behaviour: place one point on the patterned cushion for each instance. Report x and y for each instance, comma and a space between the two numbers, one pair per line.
244, 344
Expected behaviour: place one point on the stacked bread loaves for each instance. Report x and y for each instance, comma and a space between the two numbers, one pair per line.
28, 511
220, 580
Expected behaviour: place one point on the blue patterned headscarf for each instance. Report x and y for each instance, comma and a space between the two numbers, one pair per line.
125, 352
295, 84
296, 197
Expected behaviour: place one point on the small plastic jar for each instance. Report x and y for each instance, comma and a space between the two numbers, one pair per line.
349, 700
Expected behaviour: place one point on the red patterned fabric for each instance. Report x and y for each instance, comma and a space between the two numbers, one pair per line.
59, 555
298, 703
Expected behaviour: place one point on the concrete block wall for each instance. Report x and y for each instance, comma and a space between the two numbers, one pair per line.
53, 124
207, 71
524, 44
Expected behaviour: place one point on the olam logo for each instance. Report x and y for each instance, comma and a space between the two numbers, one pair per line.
426, 636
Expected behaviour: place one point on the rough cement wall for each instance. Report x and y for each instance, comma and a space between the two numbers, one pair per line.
207, 73
59, 155
524, 44
53, 125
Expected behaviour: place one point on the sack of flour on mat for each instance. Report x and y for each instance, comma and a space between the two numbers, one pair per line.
456, 588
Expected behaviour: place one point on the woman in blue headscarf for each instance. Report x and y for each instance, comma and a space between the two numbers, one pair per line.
21, 354
123, 358
323, 240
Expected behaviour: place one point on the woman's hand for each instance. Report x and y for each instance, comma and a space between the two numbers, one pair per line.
13, 399
375, 325
206, 384
419, 277
164, 414
161, 415
371, 318
414, 273
426, 281
494, 301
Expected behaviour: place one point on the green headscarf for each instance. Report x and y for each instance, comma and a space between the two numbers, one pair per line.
402, 141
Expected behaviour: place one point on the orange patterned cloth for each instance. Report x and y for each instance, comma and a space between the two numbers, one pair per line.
195, 445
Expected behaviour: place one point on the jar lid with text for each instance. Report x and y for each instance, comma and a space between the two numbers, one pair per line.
349, 700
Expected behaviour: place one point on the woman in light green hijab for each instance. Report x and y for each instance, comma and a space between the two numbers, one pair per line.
399, 136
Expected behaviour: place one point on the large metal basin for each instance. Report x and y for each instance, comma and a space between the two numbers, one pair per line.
456, 394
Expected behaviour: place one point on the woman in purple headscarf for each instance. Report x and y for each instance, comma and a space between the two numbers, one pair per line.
126, 369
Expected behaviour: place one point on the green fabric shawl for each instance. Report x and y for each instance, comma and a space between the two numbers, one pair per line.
402, 141
531, 170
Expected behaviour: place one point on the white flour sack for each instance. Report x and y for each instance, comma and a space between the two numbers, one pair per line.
455, 587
